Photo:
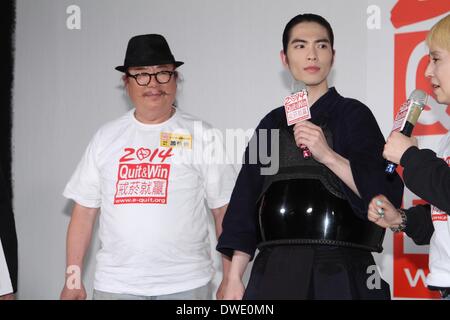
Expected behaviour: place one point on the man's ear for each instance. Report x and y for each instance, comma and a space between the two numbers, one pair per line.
284, 59
332, 60
125, 82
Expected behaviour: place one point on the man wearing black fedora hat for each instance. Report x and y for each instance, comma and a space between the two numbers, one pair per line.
146, 173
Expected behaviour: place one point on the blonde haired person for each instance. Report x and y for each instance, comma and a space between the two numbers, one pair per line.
425, 173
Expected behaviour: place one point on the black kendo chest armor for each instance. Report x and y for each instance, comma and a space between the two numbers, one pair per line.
304, 204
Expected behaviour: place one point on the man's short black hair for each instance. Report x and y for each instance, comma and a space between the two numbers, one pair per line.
306, 17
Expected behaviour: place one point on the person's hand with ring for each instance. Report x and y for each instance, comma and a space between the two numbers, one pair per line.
383, 213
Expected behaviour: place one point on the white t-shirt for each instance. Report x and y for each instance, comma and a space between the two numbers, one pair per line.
151, 183
439, 259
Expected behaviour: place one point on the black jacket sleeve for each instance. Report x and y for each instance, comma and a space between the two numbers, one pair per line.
240, 221
427, 176
361, 142
240, 224
419, 226
8, 231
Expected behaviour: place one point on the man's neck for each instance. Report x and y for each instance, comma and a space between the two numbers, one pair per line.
154, 117
315, 92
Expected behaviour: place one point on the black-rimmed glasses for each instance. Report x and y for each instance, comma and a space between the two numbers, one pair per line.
144, 78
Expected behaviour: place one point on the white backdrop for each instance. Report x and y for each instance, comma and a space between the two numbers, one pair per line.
66, 87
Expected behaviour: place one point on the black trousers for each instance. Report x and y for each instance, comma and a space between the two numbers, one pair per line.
315, 272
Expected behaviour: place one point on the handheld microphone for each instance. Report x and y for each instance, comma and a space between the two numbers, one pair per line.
297, 109
407, 117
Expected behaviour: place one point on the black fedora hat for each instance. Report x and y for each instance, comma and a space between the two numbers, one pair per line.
148, 50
